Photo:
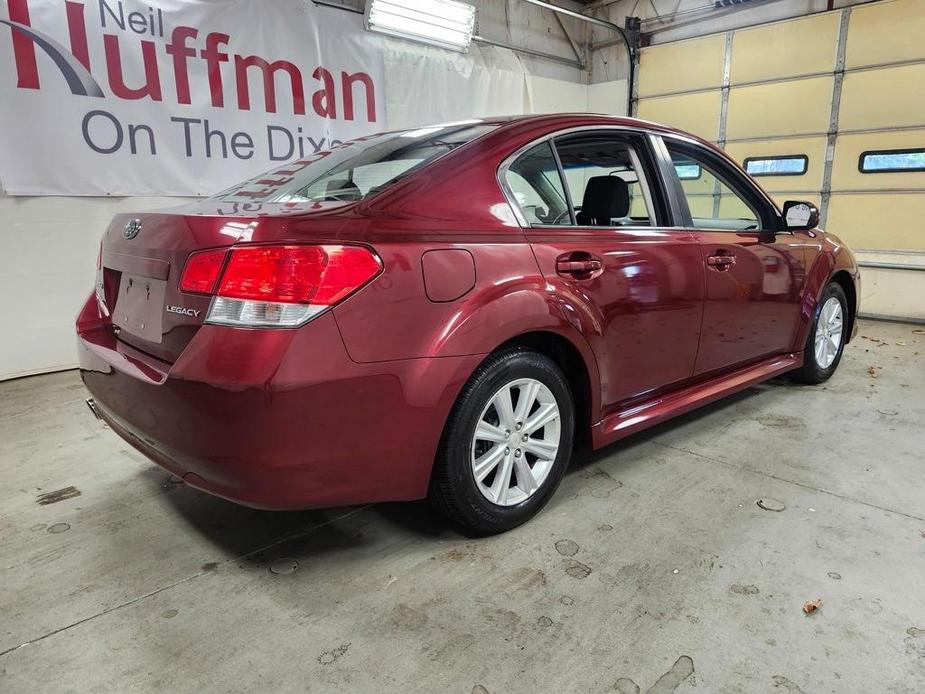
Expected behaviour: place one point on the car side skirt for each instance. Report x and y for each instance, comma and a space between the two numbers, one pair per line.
640, 416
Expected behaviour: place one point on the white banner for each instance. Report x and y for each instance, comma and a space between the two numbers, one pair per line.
176, 97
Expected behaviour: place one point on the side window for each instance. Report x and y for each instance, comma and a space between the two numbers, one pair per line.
605, 180
781, 165
534, 181
713, 203
892, 161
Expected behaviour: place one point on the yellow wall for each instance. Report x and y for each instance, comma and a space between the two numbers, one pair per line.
696, 113
893, 97
780, 99
879, 220
886, 32
848, 149
812, 147
784, 49
794, 107
681, 66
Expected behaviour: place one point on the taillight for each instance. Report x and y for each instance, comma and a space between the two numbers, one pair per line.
282, 286
201, 271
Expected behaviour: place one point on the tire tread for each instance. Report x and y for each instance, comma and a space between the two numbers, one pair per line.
444, 491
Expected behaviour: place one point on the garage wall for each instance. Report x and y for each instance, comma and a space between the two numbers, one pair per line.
829, 86
49, 244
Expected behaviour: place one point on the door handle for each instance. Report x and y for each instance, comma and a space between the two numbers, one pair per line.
571, 267
580, 265
721, 261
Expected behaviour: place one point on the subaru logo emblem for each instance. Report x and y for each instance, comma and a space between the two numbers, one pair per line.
132, 227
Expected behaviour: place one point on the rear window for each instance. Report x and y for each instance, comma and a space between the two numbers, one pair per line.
784, 165
889, 160
357, 168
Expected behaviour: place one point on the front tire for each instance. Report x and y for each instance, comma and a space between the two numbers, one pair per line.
506, 444
827, 336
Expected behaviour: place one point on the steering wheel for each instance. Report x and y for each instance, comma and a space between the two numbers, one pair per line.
560, 217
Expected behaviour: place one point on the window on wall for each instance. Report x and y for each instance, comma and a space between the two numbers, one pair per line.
713, 203
892, 160
534, 181
688, 172
605, 180
782, 165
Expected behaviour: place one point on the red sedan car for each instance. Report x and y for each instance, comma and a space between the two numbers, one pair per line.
442, 312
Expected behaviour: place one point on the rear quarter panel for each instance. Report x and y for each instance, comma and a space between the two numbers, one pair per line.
455, 203
392, 319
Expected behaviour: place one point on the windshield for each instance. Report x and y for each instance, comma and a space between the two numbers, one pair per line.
357, 168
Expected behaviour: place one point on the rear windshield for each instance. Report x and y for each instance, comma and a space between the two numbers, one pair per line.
357, 168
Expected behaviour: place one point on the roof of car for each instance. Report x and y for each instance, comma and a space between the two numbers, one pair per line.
551, 121
570, 116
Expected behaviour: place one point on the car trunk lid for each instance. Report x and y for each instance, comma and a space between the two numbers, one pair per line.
142, 259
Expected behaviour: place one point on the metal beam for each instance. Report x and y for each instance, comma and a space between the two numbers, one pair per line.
891, 319
568, 37
610, 26
530, 51
578, 15
825, 192
478, 39
723, 116
339, 6
891, 266
704, 13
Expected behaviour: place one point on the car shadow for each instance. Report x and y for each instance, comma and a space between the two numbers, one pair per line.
256, 536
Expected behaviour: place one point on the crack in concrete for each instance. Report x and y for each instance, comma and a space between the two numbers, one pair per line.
186, 579
810, 487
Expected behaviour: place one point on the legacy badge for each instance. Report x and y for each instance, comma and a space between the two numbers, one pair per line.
183, 311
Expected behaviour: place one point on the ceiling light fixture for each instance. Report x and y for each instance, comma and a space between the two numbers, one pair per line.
444, 23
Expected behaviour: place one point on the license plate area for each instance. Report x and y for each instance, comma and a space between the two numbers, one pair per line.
139, 308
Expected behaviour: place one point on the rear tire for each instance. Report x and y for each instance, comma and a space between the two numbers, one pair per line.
497, 466
827, 335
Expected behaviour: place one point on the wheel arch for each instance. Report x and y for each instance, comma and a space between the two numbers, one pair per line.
834, 262
573, 355
574, 365
843, 279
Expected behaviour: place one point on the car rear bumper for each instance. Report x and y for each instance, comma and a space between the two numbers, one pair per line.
276, 419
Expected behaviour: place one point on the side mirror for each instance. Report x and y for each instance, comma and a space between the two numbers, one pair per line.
799, 215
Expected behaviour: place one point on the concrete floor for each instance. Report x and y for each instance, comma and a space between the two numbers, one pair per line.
653, 569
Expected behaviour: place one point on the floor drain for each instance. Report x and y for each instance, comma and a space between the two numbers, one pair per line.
769, 504
284, 566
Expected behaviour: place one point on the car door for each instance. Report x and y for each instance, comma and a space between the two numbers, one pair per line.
594, 213
754, 271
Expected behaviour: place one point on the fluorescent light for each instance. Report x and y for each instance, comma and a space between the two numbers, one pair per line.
431, 129
444, 23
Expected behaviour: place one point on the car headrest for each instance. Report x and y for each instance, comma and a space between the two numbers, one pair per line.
605, 197
343, 190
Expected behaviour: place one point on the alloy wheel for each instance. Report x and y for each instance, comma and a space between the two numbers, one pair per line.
829, 330
516, 442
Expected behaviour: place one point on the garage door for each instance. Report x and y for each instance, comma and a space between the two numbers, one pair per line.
828, 108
